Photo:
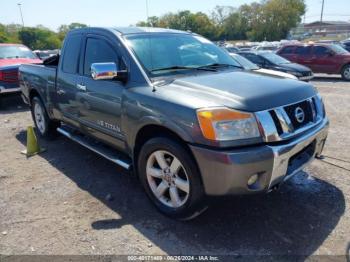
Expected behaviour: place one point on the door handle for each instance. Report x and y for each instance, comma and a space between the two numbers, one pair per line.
81, 87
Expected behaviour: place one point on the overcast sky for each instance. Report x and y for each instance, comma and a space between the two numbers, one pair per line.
52, 13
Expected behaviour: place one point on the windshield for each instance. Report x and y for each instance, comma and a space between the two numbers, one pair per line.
244, 62
7, 52
338, 49
176, 52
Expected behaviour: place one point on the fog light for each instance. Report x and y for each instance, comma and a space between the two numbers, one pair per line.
252, 180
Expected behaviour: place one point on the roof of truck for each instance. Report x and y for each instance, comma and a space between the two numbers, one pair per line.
142, 30
132, 30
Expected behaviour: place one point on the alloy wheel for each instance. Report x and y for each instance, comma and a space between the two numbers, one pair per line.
167, 179
347, 73
39, 118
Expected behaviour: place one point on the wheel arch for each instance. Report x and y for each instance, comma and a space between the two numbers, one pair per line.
343, 67
33, 93
150, 131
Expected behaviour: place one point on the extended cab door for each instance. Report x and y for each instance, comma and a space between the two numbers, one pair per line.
67, 78
100, 100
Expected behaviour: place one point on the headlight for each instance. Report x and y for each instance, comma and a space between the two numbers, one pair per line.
295, 73
222, 124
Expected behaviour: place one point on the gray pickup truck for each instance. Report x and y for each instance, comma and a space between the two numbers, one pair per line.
178, 111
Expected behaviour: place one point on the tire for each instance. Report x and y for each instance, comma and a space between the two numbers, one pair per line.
175, 174
345, 73
45, 126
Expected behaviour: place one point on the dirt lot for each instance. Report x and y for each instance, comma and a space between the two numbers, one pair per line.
55, 203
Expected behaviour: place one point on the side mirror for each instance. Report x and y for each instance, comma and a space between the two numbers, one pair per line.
108, 71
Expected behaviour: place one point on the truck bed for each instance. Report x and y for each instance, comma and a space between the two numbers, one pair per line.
42, 78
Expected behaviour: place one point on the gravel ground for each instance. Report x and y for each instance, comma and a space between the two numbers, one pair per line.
70, 201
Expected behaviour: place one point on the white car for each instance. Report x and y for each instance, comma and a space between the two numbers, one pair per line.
247, 65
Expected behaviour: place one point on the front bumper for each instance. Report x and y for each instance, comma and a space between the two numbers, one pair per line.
228, 172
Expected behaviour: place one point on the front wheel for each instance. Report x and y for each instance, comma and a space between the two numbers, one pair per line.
171, 178
43, 123
346, 73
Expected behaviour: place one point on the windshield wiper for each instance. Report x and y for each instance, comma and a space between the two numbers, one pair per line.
218, 65
181, 68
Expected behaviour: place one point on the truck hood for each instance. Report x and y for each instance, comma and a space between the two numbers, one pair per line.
242, 90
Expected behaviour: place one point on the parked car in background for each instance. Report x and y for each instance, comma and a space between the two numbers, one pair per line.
266, 48
320, 57
269, 60
241, 49
346, 45
247, 65
232, 49
11, 57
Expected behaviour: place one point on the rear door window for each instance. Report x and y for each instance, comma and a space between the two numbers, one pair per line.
70, 59
303, 50
320, 51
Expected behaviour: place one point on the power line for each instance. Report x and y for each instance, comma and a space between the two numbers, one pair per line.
324, 15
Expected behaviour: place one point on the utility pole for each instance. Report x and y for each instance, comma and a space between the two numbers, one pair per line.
20, 11
322, 12
147, 11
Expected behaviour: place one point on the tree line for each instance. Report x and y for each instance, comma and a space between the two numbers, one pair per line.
265, 20
39, 37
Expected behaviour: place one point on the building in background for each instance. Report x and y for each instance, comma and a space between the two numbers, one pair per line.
332, 29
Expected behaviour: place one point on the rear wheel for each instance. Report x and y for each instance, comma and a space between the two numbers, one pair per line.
171, 178
346, 73
45, 126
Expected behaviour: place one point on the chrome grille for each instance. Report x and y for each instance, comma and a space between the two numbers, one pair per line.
304, 106
283, 122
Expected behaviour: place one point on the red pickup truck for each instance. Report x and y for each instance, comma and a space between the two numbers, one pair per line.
321, 58
11, 57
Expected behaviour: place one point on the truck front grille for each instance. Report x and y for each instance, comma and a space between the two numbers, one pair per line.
287, 121
306, 108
